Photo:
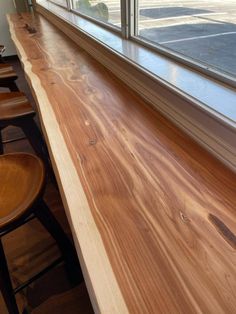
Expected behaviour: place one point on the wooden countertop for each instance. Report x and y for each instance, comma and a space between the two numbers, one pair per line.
153, 215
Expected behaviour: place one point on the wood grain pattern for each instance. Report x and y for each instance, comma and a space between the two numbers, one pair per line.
100, 280
152, 213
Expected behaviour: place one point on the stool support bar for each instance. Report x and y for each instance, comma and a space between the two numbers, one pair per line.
58, 261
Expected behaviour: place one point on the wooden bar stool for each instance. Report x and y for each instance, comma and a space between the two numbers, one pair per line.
22, 183
15, 110
8, 77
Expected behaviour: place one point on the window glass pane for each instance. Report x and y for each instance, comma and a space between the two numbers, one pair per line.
60, 2
107, 11
204, 30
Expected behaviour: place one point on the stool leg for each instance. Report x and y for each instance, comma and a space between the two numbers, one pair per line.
5, 284
47, 219
13, 87
34, 136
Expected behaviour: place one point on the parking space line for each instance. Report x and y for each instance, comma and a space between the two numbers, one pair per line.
197, 37
184, 21
156, 26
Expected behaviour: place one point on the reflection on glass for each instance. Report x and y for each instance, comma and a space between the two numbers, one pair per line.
106, 11
60, 2
199, 29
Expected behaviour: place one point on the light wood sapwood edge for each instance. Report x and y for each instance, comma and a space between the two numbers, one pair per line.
100, 280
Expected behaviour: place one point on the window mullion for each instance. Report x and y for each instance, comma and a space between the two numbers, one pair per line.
131, 17
124, 18
135, 15
69, 5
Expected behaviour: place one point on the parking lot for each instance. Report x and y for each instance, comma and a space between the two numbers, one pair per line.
200, 29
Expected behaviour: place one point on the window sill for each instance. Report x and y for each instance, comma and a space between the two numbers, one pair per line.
203, 107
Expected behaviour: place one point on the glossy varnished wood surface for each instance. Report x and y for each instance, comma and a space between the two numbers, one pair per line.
163, 207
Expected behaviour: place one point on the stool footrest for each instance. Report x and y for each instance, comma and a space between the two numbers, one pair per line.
38, 275
21, 222
19, 138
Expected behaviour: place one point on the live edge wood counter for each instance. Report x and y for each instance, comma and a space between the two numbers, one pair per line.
153, 215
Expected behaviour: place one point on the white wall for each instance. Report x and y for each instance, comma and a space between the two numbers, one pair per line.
6, 6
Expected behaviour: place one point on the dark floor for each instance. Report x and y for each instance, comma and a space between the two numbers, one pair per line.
30, 248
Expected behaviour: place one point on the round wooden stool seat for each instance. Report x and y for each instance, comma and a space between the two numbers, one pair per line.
14, 105
7, 72
22, 179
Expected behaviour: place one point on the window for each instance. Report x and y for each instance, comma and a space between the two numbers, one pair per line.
107, 11
197, 32
201, 30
